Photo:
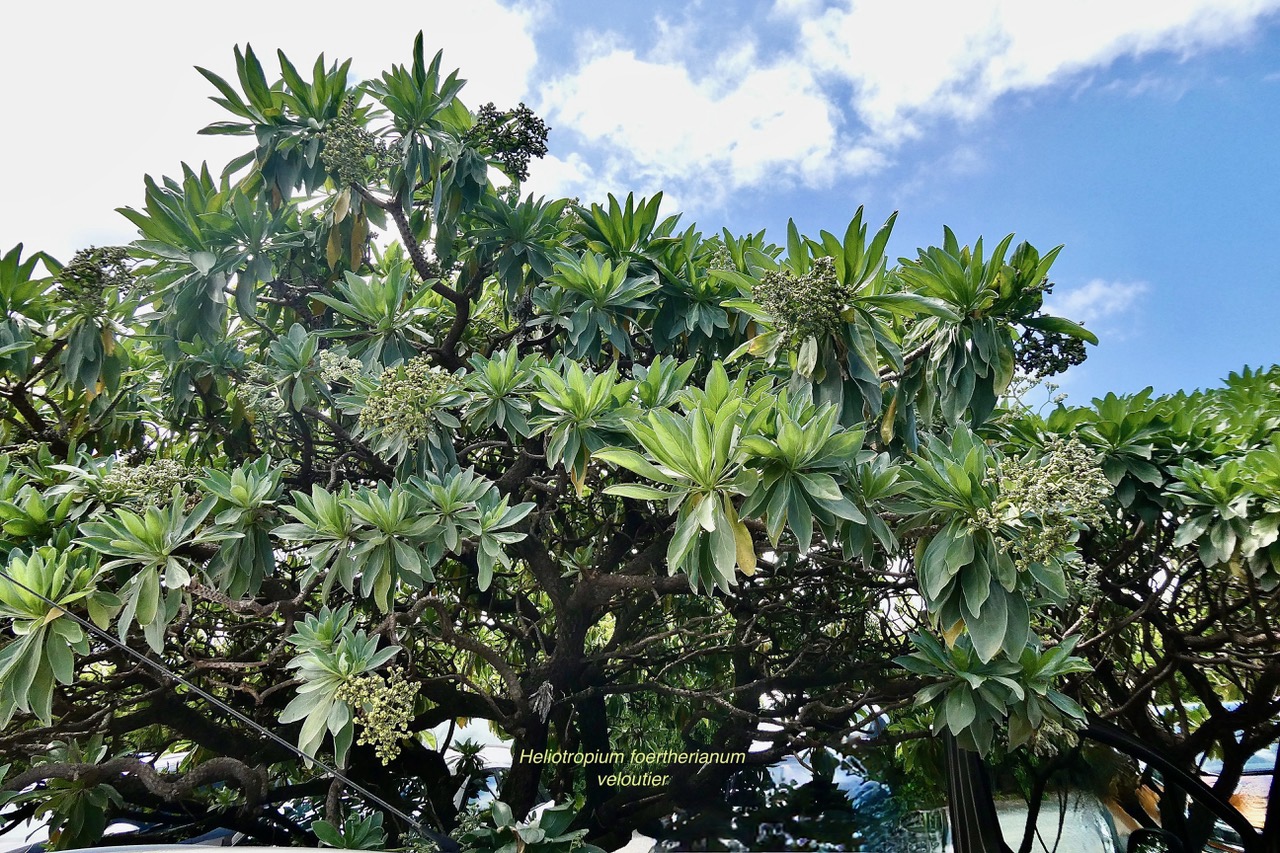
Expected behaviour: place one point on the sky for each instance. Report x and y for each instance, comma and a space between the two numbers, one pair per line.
1144, 135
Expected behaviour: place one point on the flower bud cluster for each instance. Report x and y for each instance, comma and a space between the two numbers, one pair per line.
1062, 489
570, 219
513, 136
721, 259
350, 153
406, 398
1052, 738
25, 449
803, 306
383, 708
150, 481
1042, 353
1089, 586
83, 282
335, 367
256, 393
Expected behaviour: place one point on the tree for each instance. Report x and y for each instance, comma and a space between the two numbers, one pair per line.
612, 485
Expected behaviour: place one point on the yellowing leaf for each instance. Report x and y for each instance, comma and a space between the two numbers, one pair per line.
579, 481
950, 634
53, 613
333, 248
744, 548
359, 231
886, 426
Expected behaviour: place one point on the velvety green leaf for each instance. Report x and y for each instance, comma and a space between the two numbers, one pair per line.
1061, 326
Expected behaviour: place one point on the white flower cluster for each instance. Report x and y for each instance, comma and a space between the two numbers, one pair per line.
383, 707
335, 367
1053, 494
150, 481
406, 399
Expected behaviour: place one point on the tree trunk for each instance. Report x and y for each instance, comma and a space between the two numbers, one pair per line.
520, 790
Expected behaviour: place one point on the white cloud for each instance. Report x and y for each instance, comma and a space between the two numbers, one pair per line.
913, 60
1098, 303
803, 8
99, 94
573, 176
739, 125
861, 78
113, 96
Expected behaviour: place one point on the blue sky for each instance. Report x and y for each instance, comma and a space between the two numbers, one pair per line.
1145, 136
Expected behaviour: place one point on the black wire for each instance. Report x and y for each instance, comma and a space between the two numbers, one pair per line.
444, 842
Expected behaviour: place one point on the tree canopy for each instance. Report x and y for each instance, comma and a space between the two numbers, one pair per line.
363, 441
